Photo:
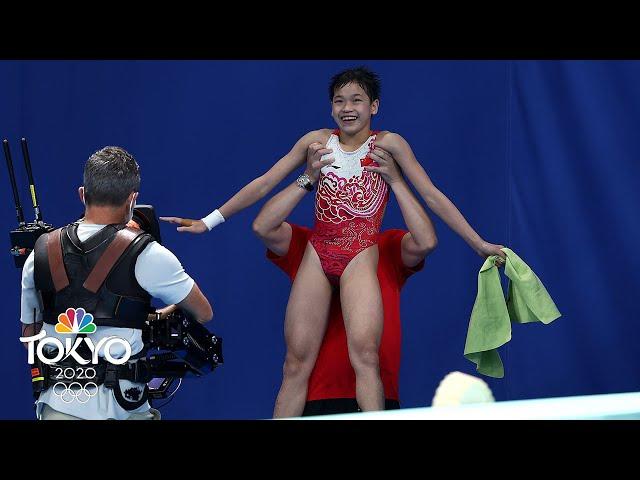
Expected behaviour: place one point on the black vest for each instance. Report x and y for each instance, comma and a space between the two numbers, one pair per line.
70, 279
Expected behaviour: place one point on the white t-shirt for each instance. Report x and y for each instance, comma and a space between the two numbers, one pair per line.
160, 273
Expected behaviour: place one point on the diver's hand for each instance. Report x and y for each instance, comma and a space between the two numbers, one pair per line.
187, 224
486, 249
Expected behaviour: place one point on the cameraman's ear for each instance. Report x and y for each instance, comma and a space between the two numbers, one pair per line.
81, 194
132, 198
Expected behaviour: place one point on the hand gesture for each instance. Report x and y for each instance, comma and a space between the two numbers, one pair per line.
187, 224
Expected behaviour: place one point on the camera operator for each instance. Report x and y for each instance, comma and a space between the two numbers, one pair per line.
110, 270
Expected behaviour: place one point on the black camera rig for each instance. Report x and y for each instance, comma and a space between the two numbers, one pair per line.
179, 346
23, 239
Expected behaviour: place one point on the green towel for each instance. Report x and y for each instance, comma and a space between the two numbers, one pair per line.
491, 317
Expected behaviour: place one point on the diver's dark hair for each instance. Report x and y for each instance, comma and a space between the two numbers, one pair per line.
368, 80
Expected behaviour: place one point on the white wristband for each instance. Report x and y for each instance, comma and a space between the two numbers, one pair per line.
213, 219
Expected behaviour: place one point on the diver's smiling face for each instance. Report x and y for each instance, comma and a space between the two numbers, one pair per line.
351, 108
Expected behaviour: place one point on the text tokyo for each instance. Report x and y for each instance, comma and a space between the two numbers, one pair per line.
69, 349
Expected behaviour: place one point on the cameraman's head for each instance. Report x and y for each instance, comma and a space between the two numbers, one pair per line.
111, 183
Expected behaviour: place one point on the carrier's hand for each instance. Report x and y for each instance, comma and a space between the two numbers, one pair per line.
387, 166
315, 151
486, 249
187, 224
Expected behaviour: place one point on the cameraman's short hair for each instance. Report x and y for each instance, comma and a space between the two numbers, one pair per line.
110, 175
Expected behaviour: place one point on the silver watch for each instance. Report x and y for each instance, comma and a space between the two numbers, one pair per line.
305, 182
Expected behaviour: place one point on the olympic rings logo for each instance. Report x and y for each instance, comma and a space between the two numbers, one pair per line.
68, 393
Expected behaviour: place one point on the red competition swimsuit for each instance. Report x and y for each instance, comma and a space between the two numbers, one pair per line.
350, 203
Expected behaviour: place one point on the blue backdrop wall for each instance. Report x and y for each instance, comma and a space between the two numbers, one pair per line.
539, 156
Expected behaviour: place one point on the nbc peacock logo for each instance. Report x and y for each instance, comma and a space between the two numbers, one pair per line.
75, 320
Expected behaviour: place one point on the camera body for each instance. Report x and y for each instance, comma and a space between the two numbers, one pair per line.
24, 238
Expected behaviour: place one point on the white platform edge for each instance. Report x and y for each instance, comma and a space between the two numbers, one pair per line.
589, 407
